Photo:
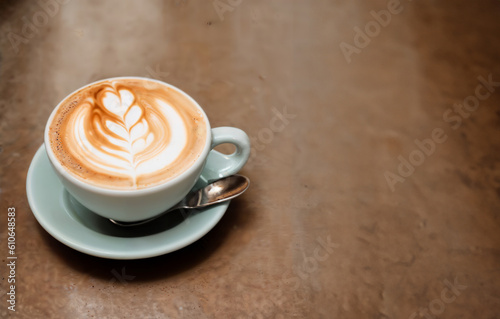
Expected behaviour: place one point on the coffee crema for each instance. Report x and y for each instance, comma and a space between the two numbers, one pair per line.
127, 133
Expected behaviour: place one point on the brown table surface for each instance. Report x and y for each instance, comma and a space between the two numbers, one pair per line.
374, 195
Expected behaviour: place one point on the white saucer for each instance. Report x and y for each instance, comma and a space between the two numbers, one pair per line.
79, 228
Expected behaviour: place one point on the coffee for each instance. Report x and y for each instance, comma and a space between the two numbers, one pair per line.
127, 133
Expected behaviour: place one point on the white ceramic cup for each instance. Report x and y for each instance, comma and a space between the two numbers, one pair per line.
135, 205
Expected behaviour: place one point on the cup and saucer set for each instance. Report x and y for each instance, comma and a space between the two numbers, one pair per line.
78, 213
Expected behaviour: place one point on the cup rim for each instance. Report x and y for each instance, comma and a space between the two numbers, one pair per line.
127, 192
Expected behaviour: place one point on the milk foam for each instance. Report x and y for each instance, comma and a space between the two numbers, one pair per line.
125, 134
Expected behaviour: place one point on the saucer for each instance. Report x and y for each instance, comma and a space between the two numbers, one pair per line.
77, 227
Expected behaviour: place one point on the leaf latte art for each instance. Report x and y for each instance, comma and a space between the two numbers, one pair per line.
127, 133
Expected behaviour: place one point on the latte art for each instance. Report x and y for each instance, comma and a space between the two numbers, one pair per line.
127, 133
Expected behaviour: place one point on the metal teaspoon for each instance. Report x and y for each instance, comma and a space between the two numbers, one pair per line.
216, 192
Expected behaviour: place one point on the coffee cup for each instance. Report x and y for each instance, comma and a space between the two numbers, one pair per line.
129, 148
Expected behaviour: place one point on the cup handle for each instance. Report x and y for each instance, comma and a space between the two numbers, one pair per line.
215, 168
